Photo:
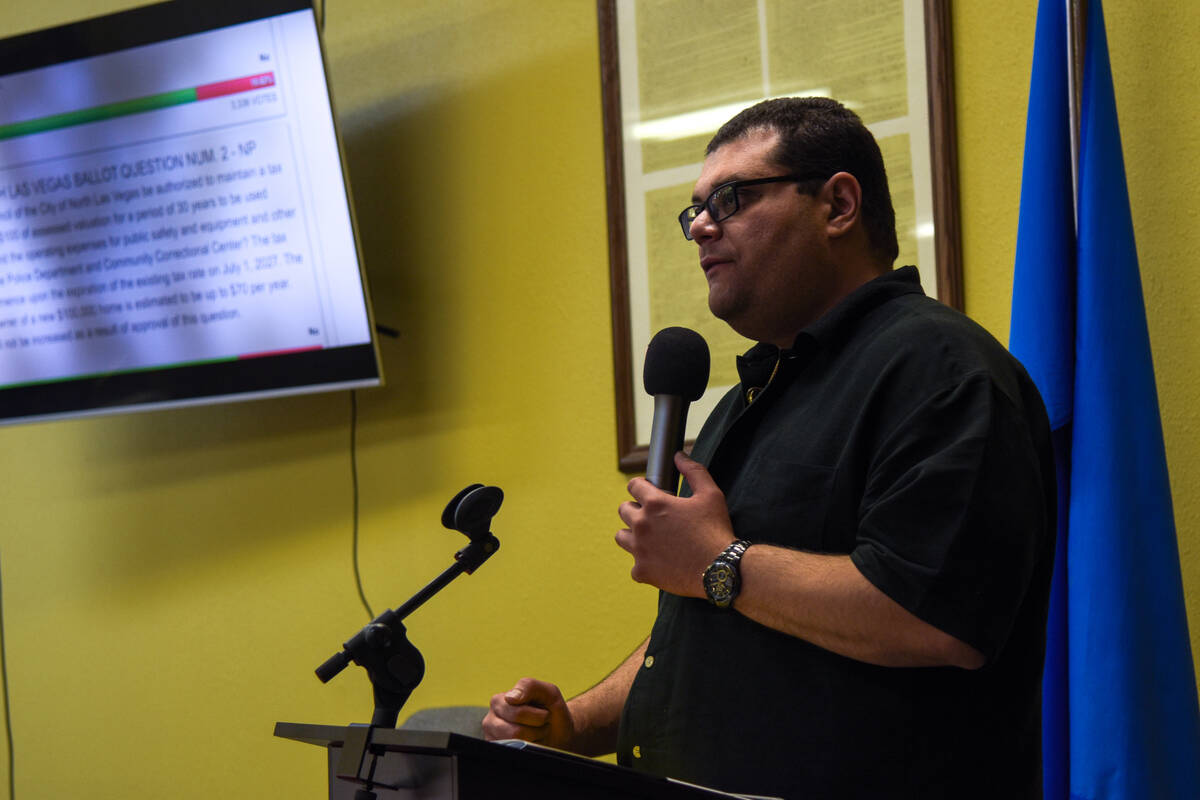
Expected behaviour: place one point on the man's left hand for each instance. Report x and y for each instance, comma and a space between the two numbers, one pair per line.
674, 539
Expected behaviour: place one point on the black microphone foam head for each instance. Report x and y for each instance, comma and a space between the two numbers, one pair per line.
676, 364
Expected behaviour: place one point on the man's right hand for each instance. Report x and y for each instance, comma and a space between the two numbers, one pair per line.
532, 710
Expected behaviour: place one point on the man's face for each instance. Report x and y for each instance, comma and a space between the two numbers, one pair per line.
768, 266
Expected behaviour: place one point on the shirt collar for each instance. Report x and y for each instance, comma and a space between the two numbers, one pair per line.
756, 365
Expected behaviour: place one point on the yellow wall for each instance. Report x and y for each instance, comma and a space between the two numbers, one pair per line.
171, 579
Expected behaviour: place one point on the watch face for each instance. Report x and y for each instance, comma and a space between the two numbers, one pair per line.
720, 583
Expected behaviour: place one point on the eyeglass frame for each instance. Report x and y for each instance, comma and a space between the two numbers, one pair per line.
686, 224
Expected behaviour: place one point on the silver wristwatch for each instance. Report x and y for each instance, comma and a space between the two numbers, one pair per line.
723, 579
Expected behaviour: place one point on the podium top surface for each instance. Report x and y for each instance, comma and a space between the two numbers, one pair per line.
517, 754
389, 739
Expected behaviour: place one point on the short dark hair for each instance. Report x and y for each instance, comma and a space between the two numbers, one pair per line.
820, 135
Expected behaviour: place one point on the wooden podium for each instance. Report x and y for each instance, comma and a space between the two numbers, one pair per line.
429, 765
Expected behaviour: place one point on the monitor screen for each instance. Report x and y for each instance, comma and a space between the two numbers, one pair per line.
175, 223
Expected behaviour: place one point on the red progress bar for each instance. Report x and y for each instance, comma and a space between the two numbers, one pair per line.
234, 86
284, 352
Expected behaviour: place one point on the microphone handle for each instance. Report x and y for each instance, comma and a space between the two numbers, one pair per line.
666, 439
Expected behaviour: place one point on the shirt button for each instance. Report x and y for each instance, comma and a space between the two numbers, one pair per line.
649, 662
637, 751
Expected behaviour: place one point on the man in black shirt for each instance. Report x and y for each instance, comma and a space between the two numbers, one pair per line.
854, 579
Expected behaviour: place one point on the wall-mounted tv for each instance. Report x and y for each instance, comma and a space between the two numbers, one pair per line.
175, 223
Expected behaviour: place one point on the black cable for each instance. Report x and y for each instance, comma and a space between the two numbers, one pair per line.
12, 790
354, 484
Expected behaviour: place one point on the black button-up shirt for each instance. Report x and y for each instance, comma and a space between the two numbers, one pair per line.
896, 431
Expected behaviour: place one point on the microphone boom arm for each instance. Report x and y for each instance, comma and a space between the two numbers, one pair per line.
393, 664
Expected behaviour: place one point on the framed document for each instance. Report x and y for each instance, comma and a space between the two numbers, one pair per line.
672, 71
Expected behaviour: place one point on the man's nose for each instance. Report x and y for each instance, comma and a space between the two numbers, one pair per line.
703, 227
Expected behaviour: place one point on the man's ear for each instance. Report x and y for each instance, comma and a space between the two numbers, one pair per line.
844, 195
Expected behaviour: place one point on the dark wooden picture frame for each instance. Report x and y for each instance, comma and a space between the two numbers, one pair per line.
631, 454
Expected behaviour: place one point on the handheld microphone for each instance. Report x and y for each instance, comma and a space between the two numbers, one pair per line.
675, 373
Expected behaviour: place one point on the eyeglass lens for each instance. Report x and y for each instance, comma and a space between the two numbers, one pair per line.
721, 204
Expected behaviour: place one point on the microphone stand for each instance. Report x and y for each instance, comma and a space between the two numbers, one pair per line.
393, 664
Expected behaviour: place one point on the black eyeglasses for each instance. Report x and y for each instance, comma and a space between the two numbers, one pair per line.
723, 203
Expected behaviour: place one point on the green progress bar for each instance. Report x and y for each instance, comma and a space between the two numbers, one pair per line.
97, 113
95, 375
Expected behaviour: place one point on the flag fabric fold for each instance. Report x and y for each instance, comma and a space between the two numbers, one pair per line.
1120, 717
1042, 335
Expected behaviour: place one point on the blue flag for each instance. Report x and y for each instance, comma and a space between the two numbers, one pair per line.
1042, 335
1120, 718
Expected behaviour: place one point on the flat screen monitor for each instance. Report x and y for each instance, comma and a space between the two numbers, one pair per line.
175, 222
